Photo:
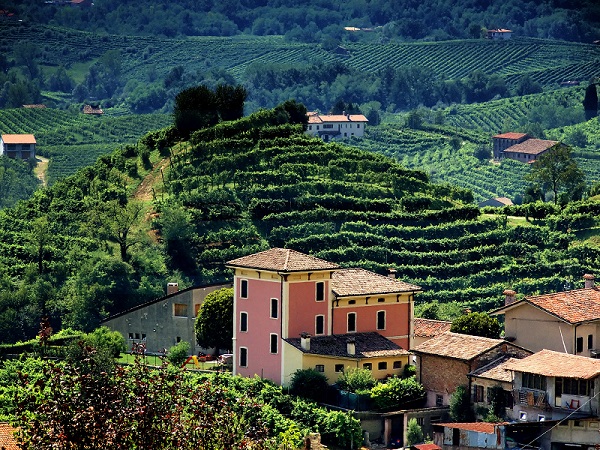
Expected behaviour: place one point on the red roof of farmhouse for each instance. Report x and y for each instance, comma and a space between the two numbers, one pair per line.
511, 135
350, 282
556, 364
429, 327
18, 138
282, 260
531, 146
316, 118
575, 306
479, 427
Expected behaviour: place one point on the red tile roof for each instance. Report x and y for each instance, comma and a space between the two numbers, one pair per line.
497, 370
315, 118
458, 346
426, 447
531, 146
510, 135
429, 327
89, 109
480, 427
18, 139
350, 282
367, 345
7, 438
282, 260
576, 306
556, 364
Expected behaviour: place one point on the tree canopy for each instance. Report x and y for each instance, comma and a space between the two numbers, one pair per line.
477, 324
214, 324
557, 170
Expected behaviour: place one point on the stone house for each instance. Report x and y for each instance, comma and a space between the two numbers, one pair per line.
165, 321
445, 361
566, 321
520, 147
20, 146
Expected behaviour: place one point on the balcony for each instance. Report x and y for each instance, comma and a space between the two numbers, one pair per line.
531, 397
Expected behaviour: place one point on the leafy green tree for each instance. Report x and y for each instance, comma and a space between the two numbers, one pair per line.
179, 353
414, 120
477, 324
356, 379
557, 169
230, 101
105, 338
483, 153
295, 111
61, 81
214, 324
396, 391
414, 433
590, 102
460, 405
308, 383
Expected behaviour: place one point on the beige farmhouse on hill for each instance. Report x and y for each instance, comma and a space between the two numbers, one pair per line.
336, 126
19, 146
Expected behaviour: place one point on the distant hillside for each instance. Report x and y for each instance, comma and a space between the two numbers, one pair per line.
84, 248
73, 140
314, 21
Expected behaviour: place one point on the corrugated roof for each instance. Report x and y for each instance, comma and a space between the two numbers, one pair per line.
556, 364
429, 327
367, 345
531, 146
282, 260
479, 427
458, 346
350, 282
18, 138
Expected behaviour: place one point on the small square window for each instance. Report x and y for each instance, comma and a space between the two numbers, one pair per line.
381, 300
339, 368
382, 365
397, 364
320, 368
143, 336
439, 400
368, 366
180, 310
137, 335
351, 302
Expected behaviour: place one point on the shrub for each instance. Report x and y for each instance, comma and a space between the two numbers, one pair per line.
396, 391
356, 380
179, 353
308, 383
460, 405
414, 433
341, 429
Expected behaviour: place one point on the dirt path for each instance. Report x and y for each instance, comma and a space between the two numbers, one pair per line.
144, 191
40, 169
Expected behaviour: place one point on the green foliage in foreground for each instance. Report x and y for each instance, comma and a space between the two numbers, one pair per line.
158, 408
396, 392
17, 181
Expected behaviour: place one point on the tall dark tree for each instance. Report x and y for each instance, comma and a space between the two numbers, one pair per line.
230, 101
590, 102
195, 108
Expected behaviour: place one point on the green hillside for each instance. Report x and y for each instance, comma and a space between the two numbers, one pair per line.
73, 140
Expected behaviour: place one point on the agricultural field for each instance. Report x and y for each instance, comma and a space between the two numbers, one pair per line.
72, 140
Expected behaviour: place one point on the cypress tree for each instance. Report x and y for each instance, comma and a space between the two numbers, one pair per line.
590, 102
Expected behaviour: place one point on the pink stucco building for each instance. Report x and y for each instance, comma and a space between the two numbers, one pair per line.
281, 295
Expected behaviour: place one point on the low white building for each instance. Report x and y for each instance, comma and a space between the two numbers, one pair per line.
21, 146
336, 126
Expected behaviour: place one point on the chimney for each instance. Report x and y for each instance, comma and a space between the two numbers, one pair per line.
510, 296
305, 341
172, 288
589, 281
392, 273
351, 346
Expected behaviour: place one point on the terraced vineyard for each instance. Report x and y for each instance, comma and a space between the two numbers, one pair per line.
74, 140
351, 207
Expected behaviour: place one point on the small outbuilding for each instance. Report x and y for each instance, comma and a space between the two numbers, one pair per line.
18, 146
